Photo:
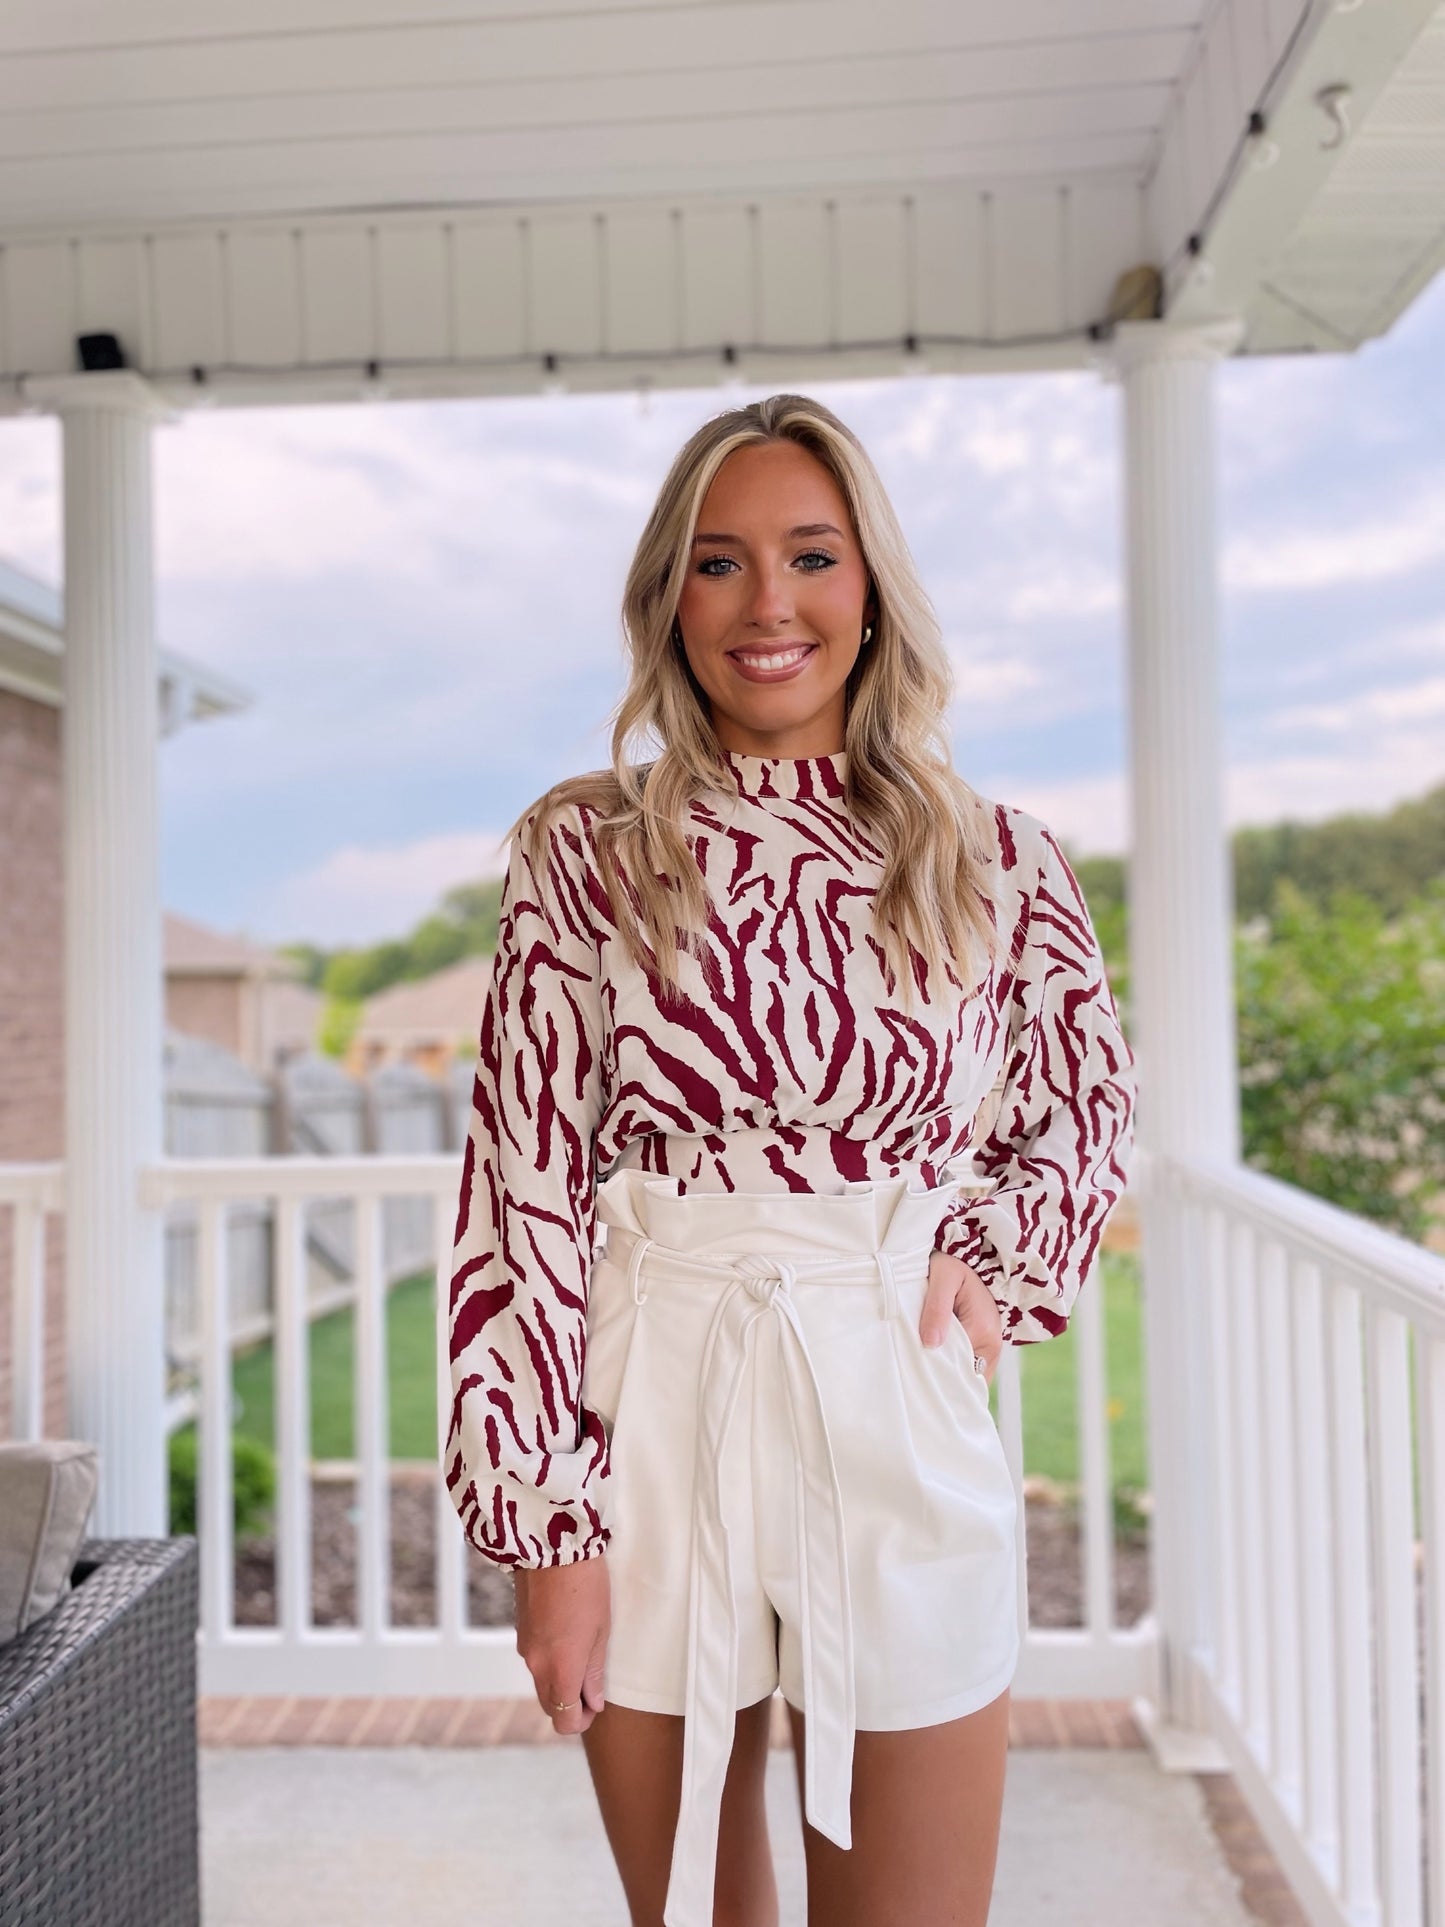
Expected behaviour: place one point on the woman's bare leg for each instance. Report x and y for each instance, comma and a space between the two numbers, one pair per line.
926, 1809
636, 1764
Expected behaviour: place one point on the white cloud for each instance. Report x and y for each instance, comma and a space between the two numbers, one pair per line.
1088, 813
401, 489
1091, 814
995, 449
30, 495
1408, 704
360, 895
986, 679
1072, 589
1410, 536
1308, 788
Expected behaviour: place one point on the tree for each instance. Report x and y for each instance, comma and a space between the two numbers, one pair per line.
340, 1019
1389, 858
1341, 1016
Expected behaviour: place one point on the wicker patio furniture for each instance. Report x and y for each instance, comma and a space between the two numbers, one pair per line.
98, 1776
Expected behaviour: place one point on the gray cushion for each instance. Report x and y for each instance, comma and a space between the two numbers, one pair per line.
46, 1490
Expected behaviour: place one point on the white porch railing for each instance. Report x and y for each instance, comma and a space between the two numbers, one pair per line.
450, 1656
1318, 1645
296, 1655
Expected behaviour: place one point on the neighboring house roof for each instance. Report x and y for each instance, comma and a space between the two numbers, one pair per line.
32, 649
447, 1004
191, 949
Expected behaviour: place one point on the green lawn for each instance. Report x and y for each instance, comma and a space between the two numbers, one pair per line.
411, 1351
1050, 1438
1051, 1442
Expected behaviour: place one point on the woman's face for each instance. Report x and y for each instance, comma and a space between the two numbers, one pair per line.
773, 607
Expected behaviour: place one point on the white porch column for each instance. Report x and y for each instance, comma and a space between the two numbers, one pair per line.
1181, 911
113, 995
1180, 934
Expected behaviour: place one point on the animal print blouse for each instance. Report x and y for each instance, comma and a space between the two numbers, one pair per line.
801, 1071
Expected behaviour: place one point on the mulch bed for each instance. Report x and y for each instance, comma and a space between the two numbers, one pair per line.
1055, 1571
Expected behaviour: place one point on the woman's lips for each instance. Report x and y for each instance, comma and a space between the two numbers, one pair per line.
771, 665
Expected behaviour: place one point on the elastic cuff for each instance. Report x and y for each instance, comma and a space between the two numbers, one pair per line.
571, 1554
965, 1239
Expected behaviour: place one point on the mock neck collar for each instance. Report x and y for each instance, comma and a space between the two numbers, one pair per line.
765, 778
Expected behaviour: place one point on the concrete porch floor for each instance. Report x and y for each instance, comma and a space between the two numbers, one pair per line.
507, 1835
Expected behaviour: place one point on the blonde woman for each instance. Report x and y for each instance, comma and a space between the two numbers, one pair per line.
723, 1319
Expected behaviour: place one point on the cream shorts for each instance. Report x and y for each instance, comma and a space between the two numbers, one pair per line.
802, 1494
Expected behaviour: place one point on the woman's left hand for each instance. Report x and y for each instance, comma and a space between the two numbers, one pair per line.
955, 1290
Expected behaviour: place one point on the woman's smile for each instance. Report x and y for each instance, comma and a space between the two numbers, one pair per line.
771, 662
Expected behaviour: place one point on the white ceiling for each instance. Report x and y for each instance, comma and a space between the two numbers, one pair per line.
153, 109
479, 195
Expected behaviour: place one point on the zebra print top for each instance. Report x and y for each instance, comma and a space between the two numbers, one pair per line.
795, 1068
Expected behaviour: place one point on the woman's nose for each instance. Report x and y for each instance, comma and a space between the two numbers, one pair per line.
771, 601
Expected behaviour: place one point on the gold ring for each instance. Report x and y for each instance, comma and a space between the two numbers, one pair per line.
560, 1706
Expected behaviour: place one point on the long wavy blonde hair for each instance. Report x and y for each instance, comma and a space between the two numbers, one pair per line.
936, 833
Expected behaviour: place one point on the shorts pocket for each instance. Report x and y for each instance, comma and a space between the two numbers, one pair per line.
965, 1350
611, 1327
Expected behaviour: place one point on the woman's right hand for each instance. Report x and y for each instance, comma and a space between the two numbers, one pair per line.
564, 1616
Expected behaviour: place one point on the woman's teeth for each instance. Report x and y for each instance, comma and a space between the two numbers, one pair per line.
773, 658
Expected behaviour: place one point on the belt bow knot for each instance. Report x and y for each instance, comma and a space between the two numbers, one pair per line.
765, 1277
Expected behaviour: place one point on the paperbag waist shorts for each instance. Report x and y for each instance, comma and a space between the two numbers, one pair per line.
801, 1492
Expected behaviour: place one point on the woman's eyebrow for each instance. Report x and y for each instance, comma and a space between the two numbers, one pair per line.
804, 528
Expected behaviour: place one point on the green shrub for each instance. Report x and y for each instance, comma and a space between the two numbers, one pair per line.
1342, 1051
253, 1482
1131, 1513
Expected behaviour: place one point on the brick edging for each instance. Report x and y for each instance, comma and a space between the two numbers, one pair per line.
515, 1722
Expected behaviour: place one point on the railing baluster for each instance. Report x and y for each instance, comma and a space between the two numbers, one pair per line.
1243, 1349
1430, 1409
1009, 1391
293, 1422
215, 1512
1397, 1654
371, 1442
1353, 1659
1228, 1472
27, 1319
1195, 1501
451, 1549
1094, 1466
1319, 1789
1281, 1510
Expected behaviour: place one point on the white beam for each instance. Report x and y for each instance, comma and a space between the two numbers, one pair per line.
775, 289
113, 992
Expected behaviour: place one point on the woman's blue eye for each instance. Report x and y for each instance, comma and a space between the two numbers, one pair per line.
809, 555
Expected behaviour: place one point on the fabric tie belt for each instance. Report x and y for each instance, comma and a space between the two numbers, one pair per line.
753, 1287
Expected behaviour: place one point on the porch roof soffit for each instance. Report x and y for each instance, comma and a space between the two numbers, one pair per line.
332, 198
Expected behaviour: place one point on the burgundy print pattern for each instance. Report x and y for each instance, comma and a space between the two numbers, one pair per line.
795, 1066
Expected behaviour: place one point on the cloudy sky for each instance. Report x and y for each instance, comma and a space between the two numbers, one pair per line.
421, 601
